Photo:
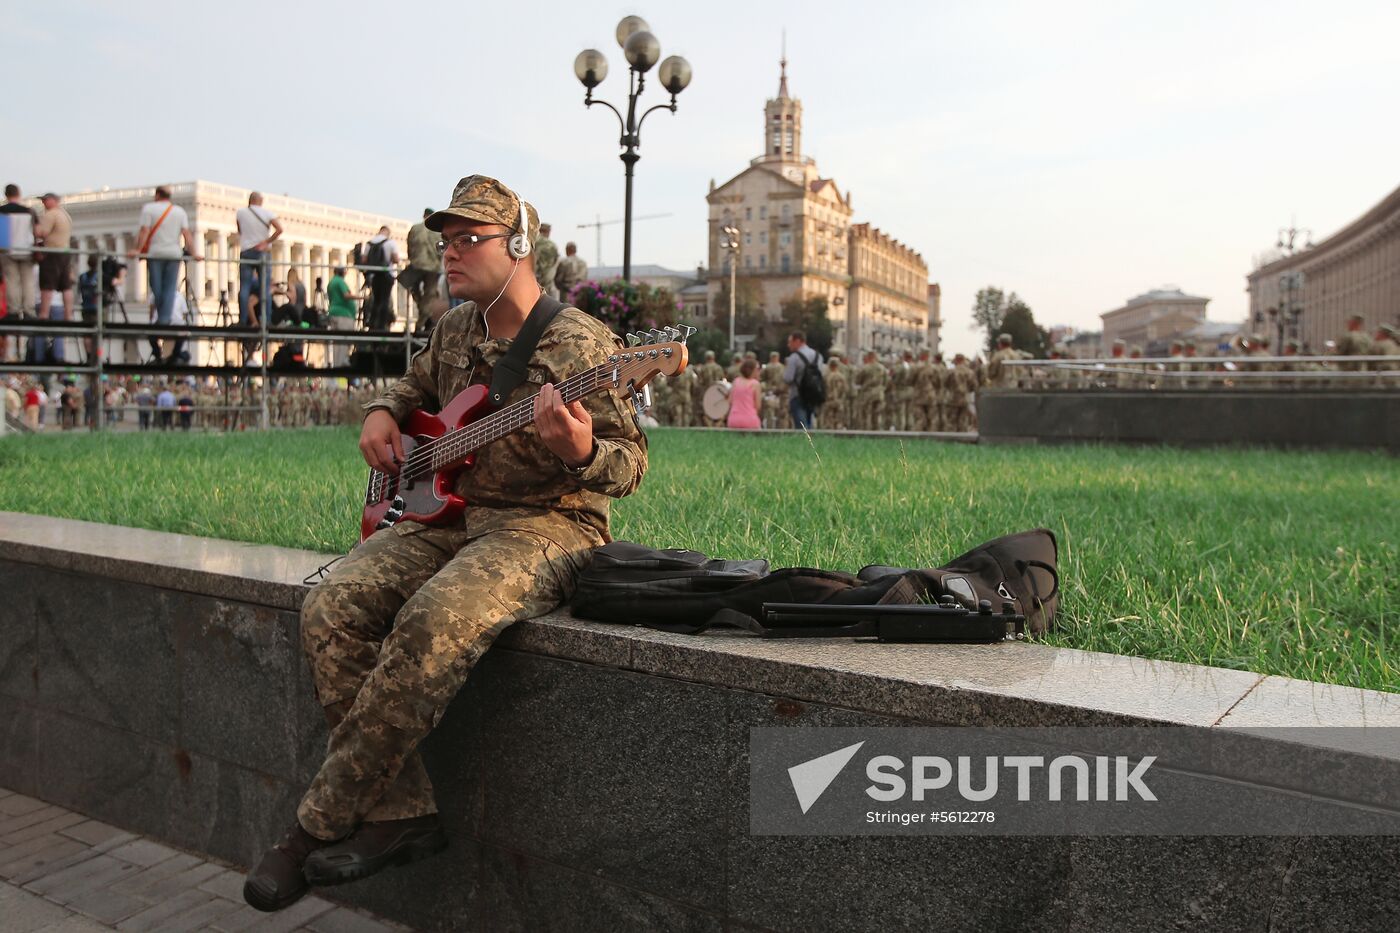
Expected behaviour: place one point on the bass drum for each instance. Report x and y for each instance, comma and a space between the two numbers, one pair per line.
715, 401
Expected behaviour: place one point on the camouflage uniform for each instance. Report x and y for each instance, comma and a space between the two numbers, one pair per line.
999, 376
961, 382
903, 380
546, 263
1386, 343
426, 261
870, 395
683, 399
836, 412
394, 630
774, 393
571, 271
660, 399
926, 388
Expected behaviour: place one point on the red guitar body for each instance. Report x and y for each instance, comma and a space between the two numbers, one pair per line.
427, 499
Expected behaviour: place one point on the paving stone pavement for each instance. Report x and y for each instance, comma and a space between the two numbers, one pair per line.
61, 872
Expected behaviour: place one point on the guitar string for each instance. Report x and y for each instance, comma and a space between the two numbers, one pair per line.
479, 433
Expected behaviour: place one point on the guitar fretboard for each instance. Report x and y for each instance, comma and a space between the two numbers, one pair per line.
447, 450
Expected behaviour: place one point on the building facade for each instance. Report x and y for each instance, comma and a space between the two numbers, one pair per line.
1153, 319
796, 241
1354, 271
316, 237
887, 310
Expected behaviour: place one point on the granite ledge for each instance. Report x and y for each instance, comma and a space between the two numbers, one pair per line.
235, 570
1012, 684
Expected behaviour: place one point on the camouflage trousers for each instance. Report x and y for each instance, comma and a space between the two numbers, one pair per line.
391, 635
925, 417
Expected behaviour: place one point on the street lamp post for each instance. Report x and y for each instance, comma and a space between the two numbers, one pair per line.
642, 50
1289, 284
731, 243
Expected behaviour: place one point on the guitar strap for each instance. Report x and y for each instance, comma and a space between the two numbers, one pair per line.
510, 371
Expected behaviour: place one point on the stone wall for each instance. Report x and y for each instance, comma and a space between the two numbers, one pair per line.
596, 776
1192, 419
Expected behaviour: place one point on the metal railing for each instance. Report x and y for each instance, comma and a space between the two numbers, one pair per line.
110, 297
1204, 372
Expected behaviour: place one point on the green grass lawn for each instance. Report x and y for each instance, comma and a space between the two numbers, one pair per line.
1276, 562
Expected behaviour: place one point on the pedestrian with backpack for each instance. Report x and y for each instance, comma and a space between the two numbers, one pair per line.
803, 375
377, 259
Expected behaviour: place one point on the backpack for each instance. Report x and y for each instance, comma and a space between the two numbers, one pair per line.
372, 254
811, 387
683, 591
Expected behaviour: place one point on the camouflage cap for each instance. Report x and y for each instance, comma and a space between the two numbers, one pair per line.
1391, 330
485, 200
1003, 338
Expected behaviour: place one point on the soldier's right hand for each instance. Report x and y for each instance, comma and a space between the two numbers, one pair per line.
381, 443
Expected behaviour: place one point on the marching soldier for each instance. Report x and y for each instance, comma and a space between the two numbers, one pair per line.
904, 393
683, 399
927, 385
961, 383
1387, 344
660, 399
1354, 342
999, 376
836, 411
774, 391
870, 393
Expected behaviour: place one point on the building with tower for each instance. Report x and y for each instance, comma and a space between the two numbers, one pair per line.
797, 240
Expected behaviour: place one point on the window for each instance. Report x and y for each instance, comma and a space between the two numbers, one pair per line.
763, 212
748, 262
785, 239
748, 213
787, 211
787, 263
763, 262
748, 239
763, 238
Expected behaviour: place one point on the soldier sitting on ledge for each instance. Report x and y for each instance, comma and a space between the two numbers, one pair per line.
393, 631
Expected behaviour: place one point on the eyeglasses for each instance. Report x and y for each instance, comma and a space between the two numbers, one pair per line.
464, 242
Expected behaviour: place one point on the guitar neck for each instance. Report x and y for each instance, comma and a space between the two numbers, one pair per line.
456, 446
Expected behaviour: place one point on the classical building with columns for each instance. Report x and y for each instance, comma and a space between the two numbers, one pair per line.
796, 240
1354, 271
315, 239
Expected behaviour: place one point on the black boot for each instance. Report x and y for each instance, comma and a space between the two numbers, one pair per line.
278, 882
375, 846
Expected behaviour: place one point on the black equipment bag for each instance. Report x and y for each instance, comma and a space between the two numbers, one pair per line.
676, 590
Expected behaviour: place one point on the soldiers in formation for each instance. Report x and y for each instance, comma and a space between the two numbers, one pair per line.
903, 393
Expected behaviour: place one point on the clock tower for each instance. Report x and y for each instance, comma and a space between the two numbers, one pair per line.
782, 125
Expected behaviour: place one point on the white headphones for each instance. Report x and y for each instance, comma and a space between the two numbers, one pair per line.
519, 245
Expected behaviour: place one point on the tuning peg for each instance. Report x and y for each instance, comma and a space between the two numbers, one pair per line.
633, 339
672, 333
686, 331
656, 336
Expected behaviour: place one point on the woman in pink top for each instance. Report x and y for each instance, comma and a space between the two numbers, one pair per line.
744, 398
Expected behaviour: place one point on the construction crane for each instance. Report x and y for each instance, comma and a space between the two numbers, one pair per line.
598, 225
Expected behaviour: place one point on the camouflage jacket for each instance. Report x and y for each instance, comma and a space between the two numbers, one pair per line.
517, 482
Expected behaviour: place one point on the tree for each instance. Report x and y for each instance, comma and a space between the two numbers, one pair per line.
987, 311
748, 308
1025, 333
810, 317
995, 312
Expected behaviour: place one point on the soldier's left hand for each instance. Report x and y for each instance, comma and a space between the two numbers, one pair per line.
566, 429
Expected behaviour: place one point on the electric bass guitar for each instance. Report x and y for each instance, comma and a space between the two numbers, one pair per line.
437, 448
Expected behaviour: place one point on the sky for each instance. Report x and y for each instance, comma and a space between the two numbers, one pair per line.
1075, 153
